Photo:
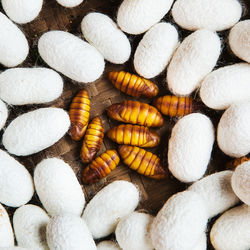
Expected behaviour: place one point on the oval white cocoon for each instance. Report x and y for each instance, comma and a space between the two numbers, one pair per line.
3, 114
155, 50
16, 186
14, 46
102, 32
193, 60
108, 245
190, 147
112, 203
202, 243
30, 86
30, 223
226, 86
71, 56
206, 14
137, 16
69, 3
36, 130
58, 188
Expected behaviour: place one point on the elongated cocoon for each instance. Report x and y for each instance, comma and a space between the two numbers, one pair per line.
190, 147
36, 130
112, 203
155, 50
14, 46
216, 192
30, 223
3, 114
231, 231
69, 231
180, 223
103, 33
202, 243
16, 186
58, 188
137, 16
193, 60
69, 3
108, 245
71, 56
22, 86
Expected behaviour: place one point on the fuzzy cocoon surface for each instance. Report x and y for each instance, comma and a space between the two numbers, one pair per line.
36, 130
193, 60
233, 134
30, 223
102, 32
71, 56
190, 147
231, 231
112, 203
202, 243
16, 186
216, 191
13, 248
137, 16
108, 245
58, 188
69, 232
22, 11
155, 50
206, 14
180, 223
226, 86
14, 46
239, 40
132, 232
3, 114
69, 3
30, 86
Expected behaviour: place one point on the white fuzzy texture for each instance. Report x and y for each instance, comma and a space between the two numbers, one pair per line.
239, 40
241, 182
16, 186
22, 11
233, 134
226, 86
216, 191
71, 56
193, 60
108, 245
206, 14
30, 223
58, 188
69, 232
132, 232
231, 231
13, 248
102, 32
155, 50
202, 243
137, 16
3, 114
21, 86
69, 3
36, 130
14, 46
112, 203
190, 147
180, 223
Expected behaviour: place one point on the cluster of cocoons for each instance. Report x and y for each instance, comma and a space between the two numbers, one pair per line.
69, 3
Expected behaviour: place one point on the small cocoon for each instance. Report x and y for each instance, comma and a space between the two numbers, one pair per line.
69, 232
58, 188
102, 32
202, 243
155, 50
69, 3
216, 191
132, 232
206, 14
30, 223
14, 46
192, 61
36, 130
3, 114
21, 86
180, 223
112, 203
71, 56
226, 86
137, 16
108, 245
239, 40
190, 147
231, 231
16, 187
